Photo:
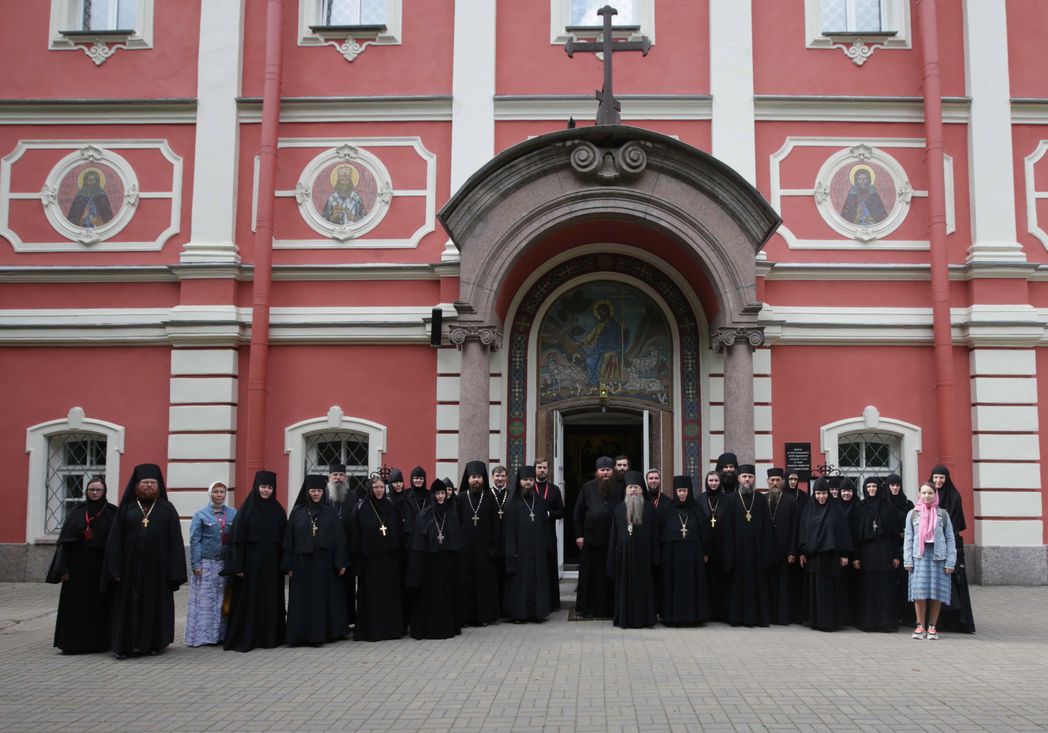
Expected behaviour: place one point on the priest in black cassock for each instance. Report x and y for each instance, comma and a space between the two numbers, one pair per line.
715, 507
83, 618
659, 502
551, 494
683, 558
499, 495
253, 557
633, 556
315, 561
144, 566
592, 518
527, 551
784, 518
749, 553
728, 468
377, 537
792, 488
875, 529
433, 567
345, 502
479, 602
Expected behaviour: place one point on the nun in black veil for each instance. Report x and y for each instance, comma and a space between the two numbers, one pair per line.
875, 531
957, 614
315, 560
896, 497
256, 607
82, 625
825, 544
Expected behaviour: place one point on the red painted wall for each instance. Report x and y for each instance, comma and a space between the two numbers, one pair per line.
126, 386
1027, 27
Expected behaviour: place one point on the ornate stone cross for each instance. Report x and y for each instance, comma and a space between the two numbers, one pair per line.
608, 111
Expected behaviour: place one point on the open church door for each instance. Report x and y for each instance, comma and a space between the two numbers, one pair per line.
557, 477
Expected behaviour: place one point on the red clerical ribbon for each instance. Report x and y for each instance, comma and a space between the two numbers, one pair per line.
88, 534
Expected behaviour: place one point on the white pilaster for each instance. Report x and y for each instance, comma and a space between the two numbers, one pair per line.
731, 85
990, 134
211, 238
472, 89
1005, 447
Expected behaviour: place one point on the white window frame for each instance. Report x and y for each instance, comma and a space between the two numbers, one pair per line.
560, 20
67, 15
37, 438
870, 420
895, 16
295, 443
349, 43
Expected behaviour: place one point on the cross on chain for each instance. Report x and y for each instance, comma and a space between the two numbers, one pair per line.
608, 110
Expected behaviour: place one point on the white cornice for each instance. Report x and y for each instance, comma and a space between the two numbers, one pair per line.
893, 272
1029, 111
351, 109
393, 272
855, 109
584, 107
97, 112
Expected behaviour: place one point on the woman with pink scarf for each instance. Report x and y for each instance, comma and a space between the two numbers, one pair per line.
929, 554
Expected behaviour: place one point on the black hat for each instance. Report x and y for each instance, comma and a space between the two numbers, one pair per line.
315, 481
337, 468
834, 482
772, 472
438, 485
634, 478
525, 472
605, 462
747, 468
448, 485
682, 482
395, 475
847, 484
418, 471
893, 478
725, 459
144, 471
264, 478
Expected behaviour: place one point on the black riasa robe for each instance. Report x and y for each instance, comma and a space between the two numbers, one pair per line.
377, 563
500, 500
526, 527
633, 558
785, 515
257, 617
478, 600
345, 511
682, 564
83, 622
795, 571
824, 539
592, 516
848, 587
875, 531
714, 507
749, 552
433, 571
551, 494
151, 564
316, 607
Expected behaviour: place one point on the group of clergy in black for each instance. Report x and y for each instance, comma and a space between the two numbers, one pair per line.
749, 558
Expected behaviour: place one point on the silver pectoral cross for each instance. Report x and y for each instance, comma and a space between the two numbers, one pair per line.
382, 529
629, 529
440, 538
532, 515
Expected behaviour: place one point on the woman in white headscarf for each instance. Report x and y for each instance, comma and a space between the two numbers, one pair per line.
208, 535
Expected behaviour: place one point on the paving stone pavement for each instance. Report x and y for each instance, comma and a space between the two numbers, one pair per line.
557, 676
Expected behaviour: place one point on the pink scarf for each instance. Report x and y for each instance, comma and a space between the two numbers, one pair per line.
928, 514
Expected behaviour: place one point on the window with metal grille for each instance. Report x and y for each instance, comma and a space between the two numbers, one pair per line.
354, 12
109, 15
72, 459
340, 446
860, 455
852, 16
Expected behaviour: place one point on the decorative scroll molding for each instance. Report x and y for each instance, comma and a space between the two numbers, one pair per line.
860, 49
486, 335
725, 337
607, 164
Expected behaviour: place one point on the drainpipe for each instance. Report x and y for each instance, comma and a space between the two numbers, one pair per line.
940, 268
263, 277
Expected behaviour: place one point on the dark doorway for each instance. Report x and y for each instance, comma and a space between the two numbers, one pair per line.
587, 437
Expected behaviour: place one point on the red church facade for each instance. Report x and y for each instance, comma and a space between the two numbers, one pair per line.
628, 289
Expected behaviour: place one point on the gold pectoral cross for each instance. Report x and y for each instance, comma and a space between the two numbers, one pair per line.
145, 521
713, 521
748, 516
314, 530
382, 529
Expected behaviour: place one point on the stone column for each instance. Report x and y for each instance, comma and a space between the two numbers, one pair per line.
738, 344
475, 342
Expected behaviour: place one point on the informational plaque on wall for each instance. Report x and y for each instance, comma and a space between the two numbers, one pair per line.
798, 458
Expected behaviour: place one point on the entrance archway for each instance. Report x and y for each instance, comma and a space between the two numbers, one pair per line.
616, 174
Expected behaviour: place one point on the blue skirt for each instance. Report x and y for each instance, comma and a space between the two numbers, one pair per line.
205, 623
929, 580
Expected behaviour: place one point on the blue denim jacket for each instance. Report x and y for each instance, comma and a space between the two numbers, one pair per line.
944, 547
205, 535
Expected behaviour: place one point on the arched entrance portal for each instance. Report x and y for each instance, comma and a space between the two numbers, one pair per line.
510, 209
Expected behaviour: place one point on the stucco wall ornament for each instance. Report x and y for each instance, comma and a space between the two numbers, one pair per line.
608, 165
90, 195
863, 193
344, 192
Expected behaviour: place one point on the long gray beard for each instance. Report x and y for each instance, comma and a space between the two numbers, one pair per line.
634, 509
337, 490
745, 490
